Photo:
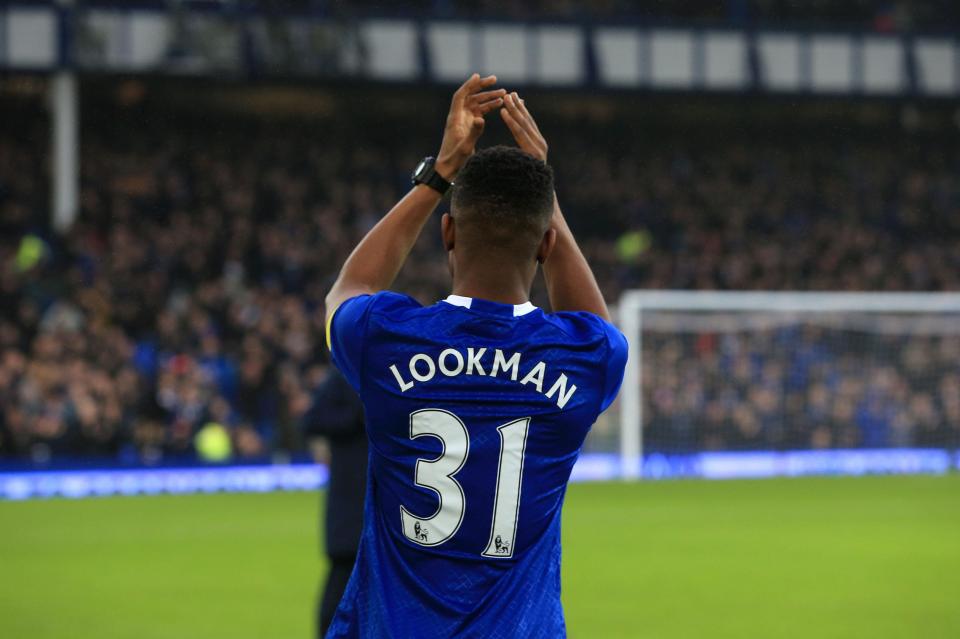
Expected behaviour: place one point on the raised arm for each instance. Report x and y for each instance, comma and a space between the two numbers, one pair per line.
570, 282
376, 261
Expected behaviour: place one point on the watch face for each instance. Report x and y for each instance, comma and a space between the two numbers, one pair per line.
416, 171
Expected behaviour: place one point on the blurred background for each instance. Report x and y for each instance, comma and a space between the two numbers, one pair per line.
180, 182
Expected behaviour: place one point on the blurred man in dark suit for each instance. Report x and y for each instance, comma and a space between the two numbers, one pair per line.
336, 414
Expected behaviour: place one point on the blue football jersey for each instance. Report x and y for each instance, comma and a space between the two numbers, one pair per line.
476, 412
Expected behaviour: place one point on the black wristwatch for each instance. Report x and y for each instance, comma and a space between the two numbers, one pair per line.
425, 173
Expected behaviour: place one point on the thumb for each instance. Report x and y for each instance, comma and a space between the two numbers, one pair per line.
476, 128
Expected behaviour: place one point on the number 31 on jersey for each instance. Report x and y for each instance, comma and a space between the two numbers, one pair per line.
438, 475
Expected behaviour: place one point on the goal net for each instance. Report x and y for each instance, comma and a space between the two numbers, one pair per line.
751, 383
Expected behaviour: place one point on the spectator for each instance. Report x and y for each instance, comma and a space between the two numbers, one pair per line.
191, 287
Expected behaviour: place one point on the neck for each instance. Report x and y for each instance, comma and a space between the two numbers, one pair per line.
505, 286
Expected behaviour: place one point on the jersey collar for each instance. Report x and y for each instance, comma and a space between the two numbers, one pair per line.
483, 305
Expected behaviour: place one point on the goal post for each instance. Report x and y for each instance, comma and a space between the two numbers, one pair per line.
824, 355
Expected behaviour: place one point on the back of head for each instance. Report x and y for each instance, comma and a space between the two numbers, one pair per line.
502, 203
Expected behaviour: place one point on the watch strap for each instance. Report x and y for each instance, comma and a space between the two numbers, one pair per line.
429, 177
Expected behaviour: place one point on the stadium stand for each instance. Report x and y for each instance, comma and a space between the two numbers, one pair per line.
190, 291
881, 15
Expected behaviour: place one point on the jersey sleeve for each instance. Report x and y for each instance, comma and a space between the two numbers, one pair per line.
348, 330
346, 333
610, 354
616, 363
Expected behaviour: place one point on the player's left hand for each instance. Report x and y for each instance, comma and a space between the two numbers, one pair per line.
523, 127
473, 100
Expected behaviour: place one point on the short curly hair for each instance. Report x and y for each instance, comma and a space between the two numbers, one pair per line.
504, 196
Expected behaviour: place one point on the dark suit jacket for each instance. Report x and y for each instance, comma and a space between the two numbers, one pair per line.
337, 414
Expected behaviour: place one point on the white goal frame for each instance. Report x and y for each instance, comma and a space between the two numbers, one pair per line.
633, 303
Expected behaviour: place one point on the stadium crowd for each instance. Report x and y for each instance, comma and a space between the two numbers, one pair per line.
808, 382
190, 291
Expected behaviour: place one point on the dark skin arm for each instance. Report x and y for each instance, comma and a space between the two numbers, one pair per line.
376, 261
570, 282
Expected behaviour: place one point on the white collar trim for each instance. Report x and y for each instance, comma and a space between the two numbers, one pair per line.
518, 309
459, 300
523, 309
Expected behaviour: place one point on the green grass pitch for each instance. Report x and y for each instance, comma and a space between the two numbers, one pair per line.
807, 558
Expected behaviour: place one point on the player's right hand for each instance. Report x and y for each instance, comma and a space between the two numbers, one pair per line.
473, 100
523, 126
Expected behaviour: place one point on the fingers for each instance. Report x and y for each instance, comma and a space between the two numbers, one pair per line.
489, 106
518, 109
483, 83
465, 87
472, 85
522, 126
471, 96
513, 107
486, 101
486, 96
523, 109
512, 104
519, 132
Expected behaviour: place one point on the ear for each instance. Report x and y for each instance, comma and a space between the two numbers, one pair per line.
448, 231
546, 245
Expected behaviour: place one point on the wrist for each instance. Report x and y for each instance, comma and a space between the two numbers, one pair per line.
447, 168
